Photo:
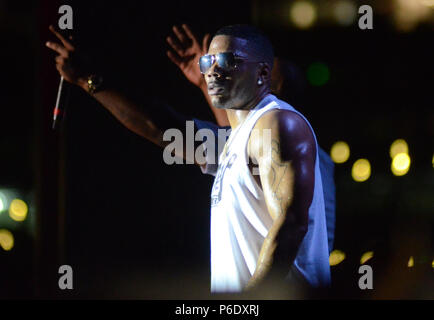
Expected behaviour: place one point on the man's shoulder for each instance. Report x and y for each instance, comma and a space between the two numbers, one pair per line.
282, 121
287, 128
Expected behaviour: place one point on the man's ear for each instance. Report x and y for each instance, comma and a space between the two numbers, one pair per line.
264, 72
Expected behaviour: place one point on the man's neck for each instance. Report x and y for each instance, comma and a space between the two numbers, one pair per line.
237, 116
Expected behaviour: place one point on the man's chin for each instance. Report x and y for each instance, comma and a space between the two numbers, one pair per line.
219, 101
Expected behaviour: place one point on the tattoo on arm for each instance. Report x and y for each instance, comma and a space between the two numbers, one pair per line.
278, 169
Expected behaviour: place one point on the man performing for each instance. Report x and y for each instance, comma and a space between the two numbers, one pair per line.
264, 228
286, 83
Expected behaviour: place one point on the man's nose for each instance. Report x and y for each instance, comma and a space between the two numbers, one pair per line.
215, 71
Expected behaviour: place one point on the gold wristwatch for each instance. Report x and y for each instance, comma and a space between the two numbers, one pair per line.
94, 83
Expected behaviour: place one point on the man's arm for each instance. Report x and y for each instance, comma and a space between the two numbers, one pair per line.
150, 123
287, 174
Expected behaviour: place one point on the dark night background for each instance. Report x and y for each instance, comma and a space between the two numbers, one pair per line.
102, 200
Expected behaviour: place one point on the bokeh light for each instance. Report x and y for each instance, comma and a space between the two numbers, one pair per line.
303, 14
428, 3
345, 12
18, 210
336, 257
340, 152
361, 170
410, 263
6, 239
398, 146
366, 256
408, 14
3, 204
318, 74
401, 164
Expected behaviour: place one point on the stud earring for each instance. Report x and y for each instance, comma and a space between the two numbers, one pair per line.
259, 82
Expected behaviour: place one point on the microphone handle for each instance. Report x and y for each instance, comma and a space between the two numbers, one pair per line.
59, 109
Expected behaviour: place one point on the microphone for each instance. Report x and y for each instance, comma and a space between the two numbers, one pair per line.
61, 103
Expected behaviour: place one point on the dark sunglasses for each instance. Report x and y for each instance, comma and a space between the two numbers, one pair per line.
225, 60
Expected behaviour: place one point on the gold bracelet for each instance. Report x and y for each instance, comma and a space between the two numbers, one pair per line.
94, 83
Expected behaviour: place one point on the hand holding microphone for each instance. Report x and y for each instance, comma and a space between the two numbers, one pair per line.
64, 62
68, 71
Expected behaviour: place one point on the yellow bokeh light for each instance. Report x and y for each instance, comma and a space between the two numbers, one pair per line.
18, 210
340, 152
345, 12
303, 14
409, 13
336, 257
366, 256
410, 262
428, 3
398, 146
400, 164
433, 160
6, 239
361, 170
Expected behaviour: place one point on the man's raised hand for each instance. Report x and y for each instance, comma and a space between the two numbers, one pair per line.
186, 51
64, 59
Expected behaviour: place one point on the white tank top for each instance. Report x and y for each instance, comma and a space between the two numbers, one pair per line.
240, 220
